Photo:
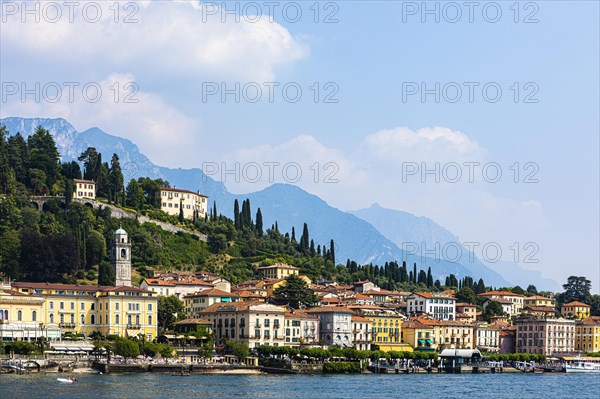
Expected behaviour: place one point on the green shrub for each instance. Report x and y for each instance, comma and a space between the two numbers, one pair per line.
341, 367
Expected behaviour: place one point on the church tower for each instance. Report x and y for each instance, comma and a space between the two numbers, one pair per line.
121, 258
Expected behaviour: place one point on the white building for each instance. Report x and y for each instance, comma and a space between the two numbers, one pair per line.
439, 306
487, 337
335, 325
178, 287
506, 298
301, 328
84, 189
172, 200
253, 323
362, 333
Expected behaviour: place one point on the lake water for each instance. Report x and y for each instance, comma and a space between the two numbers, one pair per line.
159, 386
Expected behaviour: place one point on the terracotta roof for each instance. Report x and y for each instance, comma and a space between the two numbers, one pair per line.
591, 321
248, 294
278, 266
299, 314
178, 190
211, 292
237, 306
464, 305
330, 309
430, 295
414, 324
75, 287
500, 293
193, 321
577, 303
380, 292
360, 319
535, 297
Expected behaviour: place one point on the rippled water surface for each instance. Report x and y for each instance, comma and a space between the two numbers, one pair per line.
159, 386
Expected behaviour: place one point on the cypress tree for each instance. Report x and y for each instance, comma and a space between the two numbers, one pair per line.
236, 214
415, 272
312, 248
429, 277
293, 235
214, 212
259, 223
332, 251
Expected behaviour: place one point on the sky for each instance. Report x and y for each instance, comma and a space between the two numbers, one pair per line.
482, 116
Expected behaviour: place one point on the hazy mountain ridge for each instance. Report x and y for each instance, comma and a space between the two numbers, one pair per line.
362, 236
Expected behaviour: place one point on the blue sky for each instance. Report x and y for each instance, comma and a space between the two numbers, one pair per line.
371, 133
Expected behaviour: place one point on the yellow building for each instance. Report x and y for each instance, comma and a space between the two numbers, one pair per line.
278, 271
575, 310
387, 330
21, 317
538, 300
172, 200
84, 189
420, 336
124, 311
587, 335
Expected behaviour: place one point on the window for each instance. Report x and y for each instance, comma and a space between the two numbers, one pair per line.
72, 318
149, 306
72, 305
117, 306
51, 318
129, 319
82, 319
62, 318
149, 319
62, 305
19, 316
93, 319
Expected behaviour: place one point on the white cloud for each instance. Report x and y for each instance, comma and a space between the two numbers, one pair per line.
156, 127
173, 37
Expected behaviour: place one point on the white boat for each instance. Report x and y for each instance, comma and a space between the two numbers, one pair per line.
65, 380
582, 367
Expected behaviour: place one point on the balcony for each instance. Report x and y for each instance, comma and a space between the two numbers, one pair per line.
67, 325
133, 326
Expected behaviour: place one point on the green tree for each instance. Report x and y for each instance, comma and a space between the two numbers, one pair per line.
115, 178
577, 288
493, 308
18, 157
106, 274
295, 293
236, 348
44, 156
259, 223
135, 195
126, 348
95, 248
532, 290
467, 295
38, 179
170, 309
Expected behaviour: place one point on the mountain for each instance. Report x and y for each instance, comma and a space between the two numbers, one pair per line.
423, 234
355, 237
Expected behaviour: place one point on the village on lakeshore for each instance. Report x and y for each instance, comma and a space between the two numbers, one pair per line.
83, 285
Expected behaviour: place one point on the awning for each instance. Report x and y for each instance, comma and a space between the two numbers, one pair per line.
429, 342
421, 342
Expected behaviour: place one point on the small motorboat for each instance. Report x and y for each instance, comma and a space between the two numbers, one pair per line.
66, 380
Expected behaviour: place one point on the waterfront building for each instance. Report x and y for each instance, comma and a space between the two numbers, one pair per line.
253, 323
84, 189
575, 310
456, 334
301, 329
335, 325
361, 332
173, 200
439, 306
194, 303
21, 317
421, 337
278, 271
504, 297
508, 341
84, 309
587, 334
487, 337
545, 336
386, 329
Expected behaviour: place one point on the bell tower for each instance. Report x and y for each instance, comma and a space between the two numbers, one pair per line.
121, 258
